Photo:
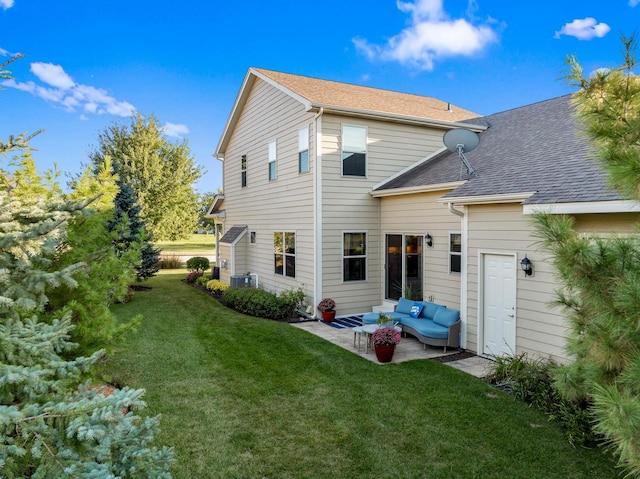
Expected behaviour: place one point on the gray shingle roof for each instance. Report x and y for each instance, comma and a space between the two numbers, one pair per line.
233, 234
535, 148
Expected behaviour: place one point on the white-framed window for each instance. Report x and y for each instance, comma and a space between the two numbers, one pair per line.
243, 170
273, 150
354, 151
303, 150
455, 252
284, 253
354, 256
252, 237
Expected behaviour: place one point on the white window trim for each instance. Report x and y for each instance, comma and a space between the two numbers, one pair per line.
366, 150
285, 254
365, 256
301, 148
272, 155
450, 253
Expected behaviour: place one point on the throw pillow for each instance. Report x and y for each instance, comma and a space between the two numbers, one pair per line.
415, 310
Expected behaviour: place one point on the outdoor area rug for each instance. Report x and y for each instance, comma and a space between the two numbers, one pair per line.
345, 322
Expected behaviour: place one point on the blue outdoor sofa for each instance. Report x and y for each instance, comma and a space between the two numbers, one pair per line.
433, 324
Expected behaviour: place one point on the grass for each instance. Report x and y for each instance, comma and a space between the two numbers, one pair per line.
204, 244
247, 397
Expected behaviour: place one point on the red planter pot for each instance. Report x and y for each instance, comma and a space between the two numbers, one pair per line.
384, 353
328, 316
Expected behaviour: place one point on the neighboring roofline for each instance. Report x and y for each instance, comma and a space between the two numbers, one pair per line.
586, 207
250, 79
417, 189
408, 168
488, 199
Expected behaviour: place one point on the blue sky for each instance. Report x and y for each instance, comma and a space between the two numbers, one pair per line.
89, 63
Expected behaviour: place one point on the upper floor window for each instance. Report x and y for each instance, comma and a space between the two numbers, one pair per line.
303, 150
455, 252
354, 151
252, 237
243, 170
284, 253
354, 256
272, 159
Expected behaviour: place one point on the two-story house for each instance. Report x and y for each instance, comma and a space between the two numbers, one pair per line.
348, 192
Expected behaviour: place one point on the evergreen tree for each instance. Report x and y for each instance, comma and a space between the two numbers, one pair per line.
127, 211
161, 174
52, 423
601, 276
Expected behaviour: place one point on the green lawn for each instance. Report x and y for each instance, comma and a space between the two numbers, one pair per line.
196, 244
243, 397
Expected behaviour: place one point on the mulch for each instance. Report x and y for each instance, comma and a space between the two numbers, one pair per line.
454, 357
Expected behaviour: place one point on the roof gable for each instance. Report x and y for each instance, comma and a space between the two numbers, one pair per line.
316, 94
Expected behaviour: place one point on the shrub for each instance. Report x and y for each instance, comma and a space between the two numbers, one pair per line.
192, 277
171, 261
532, 381
202, 280
216, 286
198, 264
261, 303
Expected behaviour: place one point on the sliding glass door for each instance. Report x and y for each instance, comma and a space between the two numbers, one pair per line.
404, 266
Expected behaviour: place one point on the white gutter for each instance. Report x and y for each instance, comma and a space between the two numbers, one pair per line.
392, 117
488, 199
464, 280
317, 212
621, 206
417, 189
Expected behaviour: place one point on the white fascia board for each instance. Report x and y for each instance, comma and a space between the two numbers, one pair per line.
307, 105
619, 206
337, 110
488, 199
417, 189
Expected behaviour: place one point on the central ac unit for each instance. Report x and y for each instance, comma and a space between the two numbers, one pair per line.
241, 281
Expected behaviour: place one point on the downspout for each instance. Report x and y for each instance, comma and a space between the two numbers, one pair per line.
317, 211
464, 227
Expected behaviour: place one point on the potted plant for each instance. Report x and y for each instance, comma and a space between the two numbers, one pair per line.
384, 320
328, 309
384, 343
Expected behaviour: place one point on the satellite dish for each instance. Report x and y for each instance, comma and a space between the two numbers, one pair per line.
461, 141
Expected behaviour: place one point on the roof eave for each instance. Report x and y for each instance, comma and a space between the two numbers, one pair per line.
417, 189
488, 199
584, 207
392, 117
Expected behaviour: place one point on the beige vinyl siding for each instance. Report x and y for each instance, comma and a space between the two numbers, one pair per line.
496, 229
421, 214
347, 205
623, 223
285, 204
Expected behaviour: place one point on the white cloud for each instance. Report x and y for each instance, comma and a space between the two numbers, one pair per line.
52, 75
175, 131
584, 29
60, 89
430, 36
5, 4
633, 3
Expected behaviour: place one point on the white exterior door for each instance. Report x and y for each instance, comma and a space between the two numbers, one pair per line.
499, 305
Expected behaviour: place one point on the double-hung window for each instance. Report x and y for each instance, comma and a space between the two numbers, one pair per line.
273, 149
243, 170
354, 151
455, 252
284, 253
354, 256
303, 150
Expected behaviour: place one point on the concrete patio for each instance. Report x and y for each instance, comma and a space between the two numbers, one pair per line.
408, 349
